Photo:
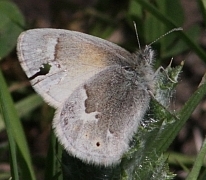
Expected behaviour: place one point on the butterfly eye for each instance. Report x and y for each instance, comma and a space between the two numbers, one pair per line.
128, 68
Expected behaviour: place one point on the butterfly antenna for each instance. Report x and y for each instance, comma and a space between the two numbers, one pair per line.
135, 27
175, 29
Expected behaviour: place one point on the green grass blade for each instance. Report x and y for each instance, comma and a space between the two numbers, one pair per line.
52, 161
15, 134
13, 155
198, 163
170, 132
171, 24
28, 104
24, 107
175, 158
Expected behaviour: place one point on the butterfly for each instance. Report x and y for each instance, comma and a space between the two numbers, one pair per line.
99, 90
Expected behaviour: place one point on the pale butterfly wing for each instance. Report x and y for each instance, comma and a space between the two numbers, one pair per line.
73, 58
98, 120
99, 104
